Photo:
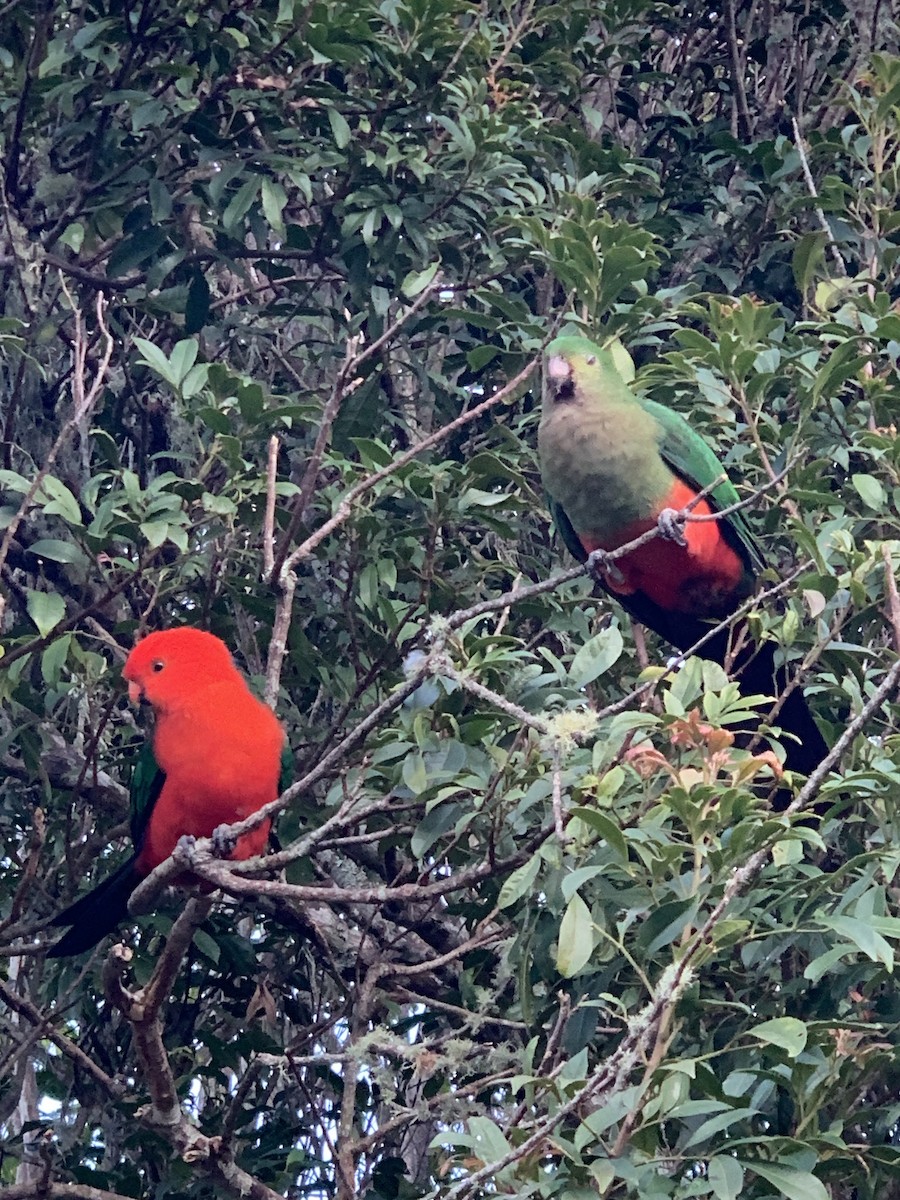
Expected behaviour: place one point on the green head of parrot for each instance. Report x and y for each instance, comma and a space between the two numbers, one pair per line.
575, 369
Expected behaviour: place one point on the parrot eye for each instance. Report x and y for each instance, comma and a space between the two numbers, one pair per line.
591, 359
157, 664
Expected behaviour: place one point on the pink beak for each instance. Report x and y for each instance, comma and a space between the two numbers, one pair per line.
558, 368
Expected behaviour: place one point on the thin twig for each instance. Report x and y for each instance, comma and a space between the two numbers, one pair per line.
352, 363
746, 501
890, 582
59, 1191
558, 822
518, 714
811, 186
345, 507
269, 518
744, 124
25, 1008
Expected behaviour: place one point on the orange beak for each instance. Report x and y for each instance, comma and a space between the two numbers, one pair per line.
135, 693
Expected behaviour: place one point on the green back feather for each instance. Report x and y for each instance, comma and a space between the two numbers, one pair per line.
693, 459
147, 780
286, 778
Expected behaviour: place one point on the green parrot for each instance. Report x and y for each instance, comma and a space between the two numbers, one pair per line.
612, 464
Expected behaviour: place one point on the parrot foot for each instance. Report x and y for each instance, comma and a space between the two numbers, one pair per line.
223, 841
671, 525
185, 849
604, 569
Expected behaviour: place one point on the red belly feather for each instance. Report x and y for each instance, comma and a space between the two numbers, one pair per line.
699, 578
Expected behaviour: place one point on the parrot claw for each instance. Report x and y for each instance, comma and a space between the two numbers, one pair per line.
185, 849
604, 569
671, 525
223, 841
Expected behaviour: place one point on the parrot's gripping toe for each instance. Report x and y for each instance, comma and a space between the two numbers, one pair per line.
602, 568
185, 849
223, 841
671, 526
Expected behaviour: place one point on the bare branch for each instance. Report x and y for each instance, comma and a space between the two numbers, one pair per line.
345, 507
58, 1191
811, 186
269, 520
353, 361
24, 1007
890, 583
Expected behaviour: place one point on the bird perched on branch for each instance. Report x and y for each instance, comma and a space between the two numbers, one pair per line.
216, 757
616, 466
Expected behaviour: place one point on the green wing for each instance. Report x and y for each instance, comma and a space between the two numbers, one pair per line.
693, 459
286, 778
565, 528
147, 780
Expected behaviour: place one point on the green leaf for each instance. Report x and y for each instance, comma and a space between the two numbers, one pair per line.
183, 356
57, 551
340, 130
518, 883
46, 609
156, 360
622, 360
490, 1144
796, 1185
417, 281
863, 935
596, 656
786, 1032
61, 503
481, 356
808, 256
605, 826
54, 658
155, 532
239, 205
434, 825
415, 773
573, 880
195, 380
723, 1120
274, 199
870, 490
576, 938
726, 1177
207, 945
666, 923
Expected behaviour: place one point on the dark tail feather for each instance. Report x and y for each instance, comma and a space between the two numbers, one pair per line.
807, 748
756, 674
804, 746
98, 913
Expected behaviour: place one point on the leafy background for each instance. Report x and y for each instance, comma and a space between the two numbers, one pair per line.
531, 931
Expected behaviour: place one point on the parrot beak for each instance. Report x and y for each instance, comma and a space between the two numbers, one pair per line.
558, 368
558, 378
135, 693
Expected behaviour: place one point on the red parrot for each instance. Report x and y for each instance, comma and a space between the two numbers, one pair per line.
611, 463
217, 755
